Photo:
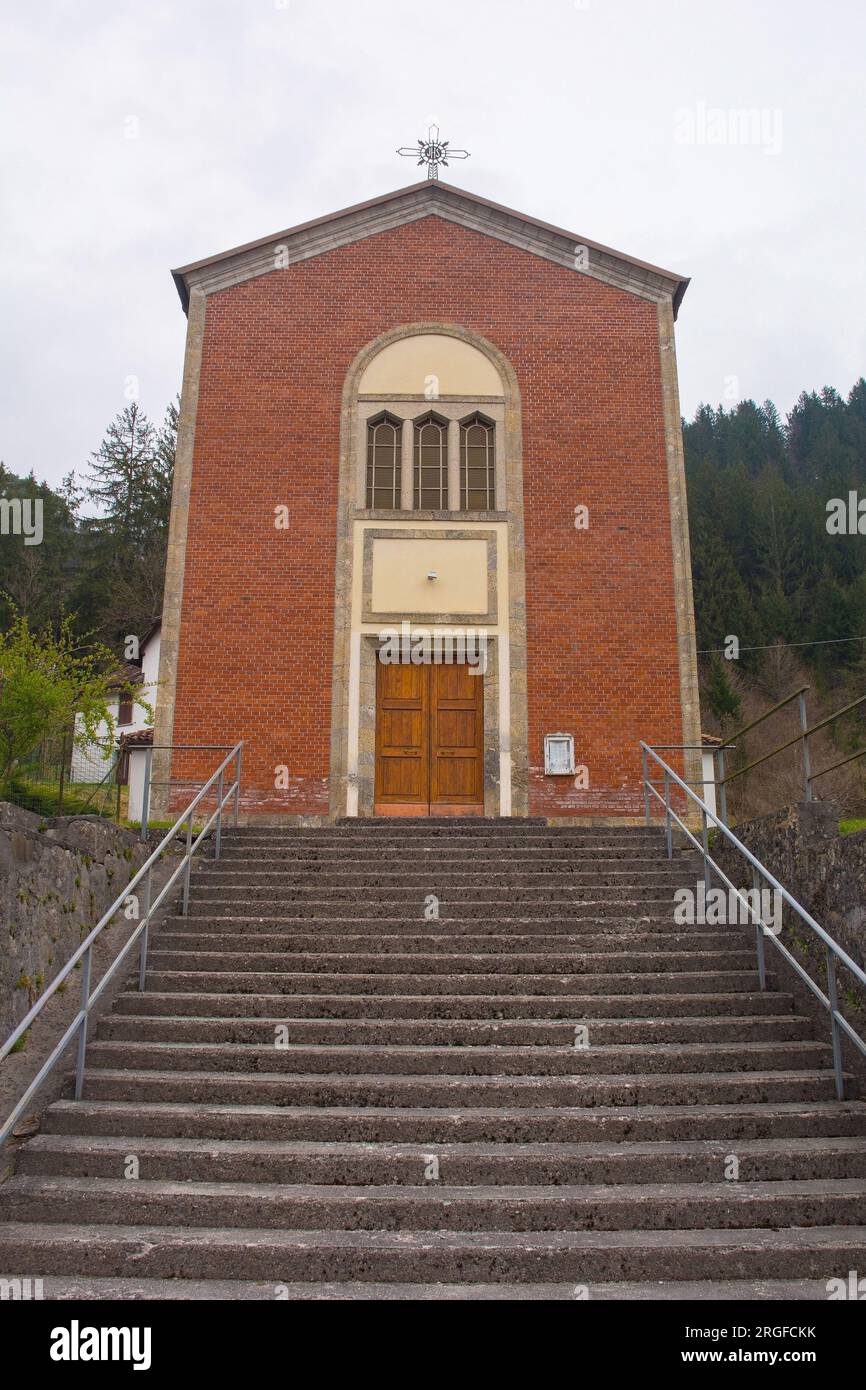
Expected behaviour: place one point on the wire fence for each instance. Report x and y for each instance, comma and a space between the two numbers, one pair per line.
63, 778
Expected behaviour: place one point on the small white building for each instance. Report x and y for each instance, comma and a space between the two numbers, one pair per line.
133, 751
710, 745
94, 760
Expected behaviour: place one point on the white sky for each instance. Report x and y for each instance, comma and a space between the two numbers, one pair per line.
253, 115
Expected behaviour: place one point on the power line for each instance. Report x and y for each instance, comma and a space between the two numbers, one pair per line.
773, 646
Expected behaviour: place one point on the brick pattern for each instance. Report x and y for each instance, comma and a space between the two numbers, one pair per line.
255, 659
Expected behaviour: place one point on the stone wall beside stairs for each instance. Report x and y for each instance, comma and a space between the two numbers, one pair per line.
58, 875
826, 872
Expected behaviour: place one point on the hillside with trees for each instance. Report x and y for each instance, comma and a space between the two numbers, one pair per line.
102, 557
767, 570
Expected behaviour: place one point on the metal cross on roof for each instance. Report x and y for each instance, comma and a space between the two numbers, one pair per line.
433, 152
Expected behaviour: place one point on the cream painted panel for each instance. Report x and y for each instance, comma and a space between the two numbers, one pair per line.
409, 366
400, 583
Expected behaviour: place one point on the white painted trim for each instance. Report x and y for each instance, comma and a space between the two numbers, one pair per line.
504, 656
354, 724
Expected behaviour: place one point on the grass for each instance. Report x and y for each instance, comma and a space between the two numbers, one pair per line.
44, 798
162, 825
848, 827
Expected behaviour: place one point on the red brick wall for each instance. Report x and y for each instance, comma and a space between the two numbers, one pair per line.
255, 659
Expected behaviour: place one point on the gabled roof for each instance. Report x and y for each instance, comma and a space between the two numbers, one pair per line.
124, 676
151, 632
418, 200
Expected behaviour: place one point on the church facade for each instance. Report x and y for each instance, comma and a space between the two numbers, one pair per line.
429, 545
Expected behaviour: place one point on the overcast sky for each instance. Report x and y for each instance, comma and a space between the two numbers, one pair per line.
140, 136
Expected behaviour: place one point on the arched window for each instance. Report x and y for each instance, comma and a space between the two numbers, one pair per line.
430, 492
477, 464
383, 462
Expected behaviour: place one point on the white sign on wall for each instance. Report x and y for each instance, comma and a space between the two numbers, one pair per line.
559, 753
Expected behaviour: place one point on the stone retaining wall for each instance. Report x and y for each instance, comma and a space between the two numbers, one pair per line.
58, 875
826, 872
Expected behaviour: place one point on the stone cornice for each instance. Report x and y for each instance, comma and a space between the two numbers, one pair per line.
272, 254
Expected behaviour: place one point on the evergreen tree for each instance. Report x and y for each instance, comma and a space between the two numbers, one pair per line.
121, 482
718, 692
124, 546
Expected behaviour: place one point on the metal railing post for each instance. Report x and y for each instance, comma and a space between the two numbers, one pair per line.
804, 725
759, 932
646, 795
835, 1034
82, 1030
62, 774
723, 790
219, 819
145, 796
142, 961
188, 869
238, 785
705, 841
668, 823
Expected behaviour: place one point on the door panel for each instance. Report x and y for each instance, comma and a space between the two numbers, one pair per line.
402, 737
457, 737
429, 740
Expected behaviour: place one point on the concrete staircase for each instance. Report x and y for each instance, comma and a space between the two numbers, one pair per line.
418, 1046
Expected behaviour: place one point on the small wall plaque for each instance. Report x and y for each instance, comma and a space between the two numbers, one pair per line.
559, 754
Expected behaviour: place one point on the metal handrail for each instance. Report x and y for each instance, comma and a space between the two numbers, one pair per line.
806, 731
84, 952
834, 952
795, 695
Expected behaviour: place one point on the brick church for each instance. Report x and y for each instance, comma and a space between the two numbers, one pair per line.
429, 547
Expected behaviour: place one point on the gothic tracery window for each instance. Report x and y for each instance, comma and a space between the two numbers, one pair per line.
477, 464
383, 462
430, 491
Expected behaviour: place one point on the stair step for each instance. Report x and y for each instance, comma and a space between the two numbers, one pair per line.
729, 1123
423, 963
550, 913
491, 855
577, 925
211, 1290
478, 1007
394, 943
311, 1089
335, 982
452, 1032
437, 1208
581, 1257
352, 1164
499, 1061
401, 880
409, 870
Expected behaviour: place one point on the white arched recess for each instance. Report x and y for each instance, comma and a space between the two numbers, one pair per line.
408, 371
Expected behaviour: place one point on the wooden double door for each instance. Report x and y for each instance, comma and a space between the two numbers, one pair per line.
429, 740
